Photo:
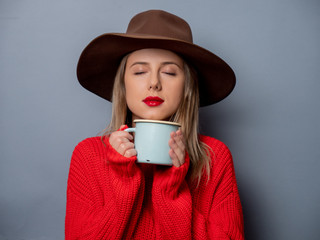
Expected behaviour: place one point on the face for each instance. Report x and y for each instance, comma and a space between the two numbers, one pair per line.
154, 82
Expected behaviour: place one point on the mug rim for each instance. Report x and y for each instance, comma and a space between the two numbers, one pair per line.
157, 121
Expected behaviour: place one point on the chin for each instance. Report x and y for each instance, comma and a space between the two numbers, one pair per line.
152, 113
153, 117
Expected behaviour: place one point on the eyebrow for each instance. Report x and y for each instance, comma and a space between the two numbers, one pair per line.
162, 64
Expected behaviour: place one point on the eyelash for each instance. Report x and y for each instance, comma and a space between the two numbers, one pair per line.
138, 73
170, 73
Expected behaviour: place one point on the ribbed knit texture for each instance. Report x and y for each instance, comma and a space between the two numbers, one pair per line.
112, 197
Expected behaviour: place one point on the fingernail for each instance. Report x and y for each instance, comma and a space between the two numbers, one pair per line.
123, 127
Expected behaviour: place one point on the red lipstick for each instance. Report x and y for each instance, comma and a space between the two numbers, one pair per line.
153, 101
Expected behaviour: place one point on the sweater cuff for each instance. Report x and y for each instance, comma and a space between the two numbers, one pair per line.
170, 179
122, 165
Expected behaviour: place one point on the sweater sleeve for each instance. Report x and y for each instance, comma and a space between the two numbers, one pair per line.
104, 193
225, 217
172, 202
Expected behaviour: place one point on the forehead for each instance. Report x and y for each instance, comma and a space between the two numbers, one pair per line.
154, 55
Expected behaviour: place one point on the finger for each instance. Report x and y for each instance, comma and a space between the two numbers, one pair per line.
178, 141
177, 135
181, 143
179, 138
180, 154
122, 127
174, 158
178, 151
118, 141
124, 147
118, 137
123, 134
130, 153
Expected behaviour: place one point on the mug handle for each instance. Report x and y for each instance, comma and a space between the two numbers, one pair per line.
130, 130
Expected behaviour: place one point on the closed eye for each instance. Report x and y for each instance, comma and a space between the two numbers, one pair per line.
138, 73
170, 73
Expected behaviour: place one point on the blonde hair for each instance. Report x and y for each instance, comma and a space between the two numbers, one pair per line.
187, 115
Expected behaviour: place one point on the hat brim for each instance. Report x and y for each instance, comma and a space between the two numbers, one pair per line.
100, 60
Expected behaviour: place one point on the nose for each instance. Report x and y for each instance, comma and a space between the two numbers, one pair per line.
155, 83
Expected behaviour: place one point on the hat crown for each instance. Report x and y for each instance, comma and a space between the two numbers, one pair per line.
161, 24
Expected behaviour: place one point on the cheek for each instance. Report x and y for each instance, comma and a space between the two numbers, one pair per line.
133, 94
131, 99
130, 94
178, 91
133, 84
129, 87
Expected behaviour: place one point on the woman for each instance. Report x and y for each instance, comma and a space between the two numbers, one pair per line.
153, 71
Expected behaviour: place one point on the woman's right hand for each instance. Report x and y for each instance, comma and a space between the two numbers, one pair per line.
121, 141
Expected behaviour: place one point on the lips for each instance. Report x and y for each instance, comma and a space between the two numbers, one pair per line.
153, 101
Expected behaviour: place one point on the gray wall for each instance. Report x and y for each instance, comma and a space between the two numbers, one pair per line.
270, 122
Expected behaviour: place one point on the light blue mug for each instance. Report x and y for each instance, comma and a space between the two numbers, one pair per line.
151, 140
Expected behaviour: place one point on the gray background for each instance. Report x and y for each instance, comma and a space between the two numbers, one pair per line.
270, 122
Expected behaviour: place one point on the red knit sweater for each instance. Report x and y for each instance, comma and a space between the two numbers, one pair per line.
112, 197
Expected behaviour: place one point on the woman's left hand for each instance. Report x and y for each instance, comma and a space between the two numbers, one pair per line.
177, 148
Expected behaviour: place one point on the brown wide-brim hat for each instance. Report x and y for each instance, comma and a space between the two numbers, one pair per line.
100, 60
